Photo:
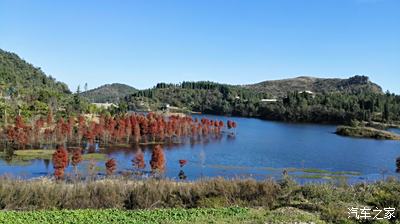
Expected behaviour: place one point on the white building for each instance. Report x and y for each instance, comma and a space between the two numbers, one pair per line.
269, 100
104, 105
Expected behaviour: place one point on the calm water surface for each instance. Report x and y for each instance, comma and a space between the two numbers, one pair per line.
261, 149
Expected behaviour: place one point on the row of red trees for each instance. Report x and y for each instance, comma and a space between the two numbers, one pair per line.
61, 161
108, 130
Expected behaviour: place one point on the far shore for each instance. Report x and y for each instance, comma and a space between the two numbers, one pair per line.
366, 132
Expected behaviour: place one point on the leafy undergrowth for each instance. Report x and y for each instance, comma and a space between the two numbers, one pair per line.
200, 215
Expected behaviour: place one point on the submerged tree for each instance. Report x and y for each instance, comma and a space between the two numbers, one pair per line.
182, 162
111, 166
76, 159
138, 162
60, 162
157, 162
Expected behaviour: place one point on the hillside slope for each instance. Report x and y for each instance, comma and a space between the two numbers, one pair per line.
28, 89
279, 88
24, 77
111, 93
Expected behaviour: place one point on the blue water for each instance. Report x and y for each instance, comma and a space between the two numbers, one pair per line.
261, 149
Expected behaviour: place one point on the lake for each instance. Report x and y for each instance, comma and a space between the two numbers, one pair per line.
261, 149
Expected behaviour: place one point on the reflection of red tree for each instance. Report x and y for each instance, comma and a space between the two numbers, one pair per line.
60, 162
157, 162
111, 166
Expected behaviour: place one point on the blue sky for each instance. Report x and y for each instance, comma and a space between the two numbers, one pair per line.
142, 42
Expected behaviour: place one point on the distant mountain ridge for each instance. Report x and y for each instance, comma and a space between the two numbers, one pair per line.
111, 93
279, 88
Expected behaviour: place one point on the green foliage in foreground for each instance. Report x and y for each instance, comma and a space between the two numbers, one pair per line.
209, 215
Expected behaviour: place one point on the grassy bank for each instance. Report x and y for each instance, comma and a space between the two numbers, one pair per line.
31, 154
366, 132
326, 202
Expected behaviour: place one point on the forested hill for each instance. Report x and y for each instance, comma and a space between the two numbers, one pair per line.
355, 98
111, 93
27, 90
353, 85
19, 77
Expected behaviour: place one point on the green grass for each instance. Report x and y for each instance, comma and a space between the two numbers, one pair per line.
307, 171
320, 177
32, 154
95, 156
312, 170
199, 215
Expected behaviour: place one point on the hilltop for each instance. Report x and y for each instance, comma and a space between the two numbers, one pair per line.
353, 85
24, 78
111, 93
25, 88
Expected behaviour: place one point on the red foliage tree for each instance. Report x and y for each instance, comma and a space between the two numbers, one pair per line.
234, 124
138, 162
111, 166
39, 124
182, 162
157, 162
81, 128
76, 159
60, 162
229, 124
18, 134
49, 119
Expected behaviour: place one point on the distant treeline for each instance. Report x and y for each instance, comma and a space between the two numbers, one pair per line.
220, 99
